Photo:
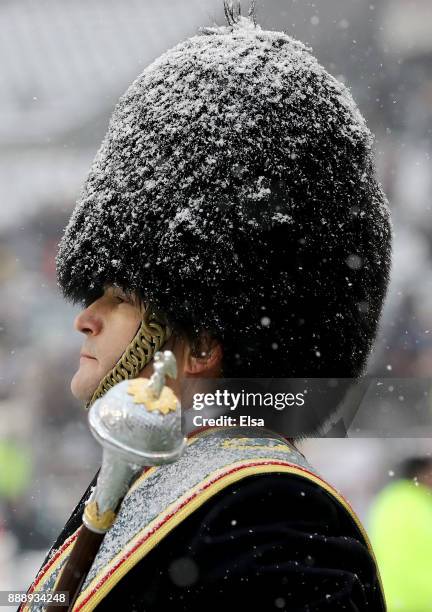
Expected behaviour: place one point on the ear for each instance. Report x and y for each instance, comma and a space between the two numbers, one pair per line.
206, 362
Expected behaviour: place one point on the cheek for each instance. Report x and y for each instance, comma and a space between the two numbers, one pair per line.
123, 332
126, 329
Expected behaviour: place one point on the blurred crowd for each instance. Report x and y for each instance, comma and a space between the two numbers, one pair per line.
67, 63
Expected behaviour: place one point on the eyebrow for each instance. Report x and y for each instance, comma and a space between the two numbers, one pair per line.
130, 297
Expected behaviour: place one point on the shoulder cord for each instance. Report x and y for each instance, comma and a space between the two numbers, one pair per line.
150, 337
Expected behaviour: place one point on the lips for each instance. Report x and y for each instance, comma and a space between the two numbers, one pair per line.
87, 356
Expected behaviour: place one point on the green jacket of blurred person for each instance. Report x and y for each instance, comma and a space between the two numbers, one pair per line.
15, 469
401, 533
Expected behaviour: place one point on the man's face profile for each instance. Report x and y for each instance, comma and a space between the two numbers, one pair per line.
109, 324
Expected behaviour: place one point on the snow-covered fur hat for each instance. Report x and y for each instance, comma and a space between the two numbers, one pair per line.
235, 191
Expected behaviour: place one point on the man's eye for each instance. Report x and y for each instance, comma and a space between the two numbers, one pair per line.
121, 298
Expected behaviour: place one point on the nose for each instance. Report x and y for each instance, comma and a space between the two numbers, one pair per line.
88, 322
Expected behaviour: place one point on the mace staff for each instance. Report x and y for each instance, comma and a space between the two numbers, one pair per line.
138, 423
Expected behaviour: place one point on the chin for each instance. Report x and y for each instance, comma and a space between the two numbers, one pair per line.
81, 387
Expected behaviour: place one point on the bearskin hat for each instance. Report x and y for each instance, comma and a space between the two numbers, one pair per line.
235, 190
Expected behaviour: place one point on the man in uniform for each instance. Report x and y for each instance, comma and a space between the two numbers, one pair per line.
232, 214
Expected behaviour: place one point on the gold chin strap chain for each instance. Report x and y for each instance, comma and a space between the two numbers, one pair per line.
151, 335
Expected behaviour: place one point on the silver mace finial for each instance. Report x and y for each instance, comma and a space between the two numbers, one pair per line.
138, 423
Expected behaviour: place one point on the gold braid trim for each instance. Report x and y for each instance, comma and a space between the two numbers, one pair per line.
151, 335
